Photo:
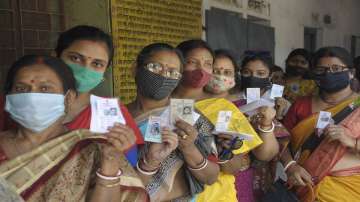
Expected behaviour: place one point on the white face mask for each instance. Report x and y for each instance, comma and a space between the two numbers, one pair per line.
35, 111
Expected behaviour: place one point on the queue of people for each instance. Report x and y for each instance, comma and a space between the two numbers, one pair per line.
301, 145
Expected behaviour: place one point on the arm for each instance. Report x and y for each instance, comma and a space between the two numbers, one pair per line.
237, 163
193, 157
119, 138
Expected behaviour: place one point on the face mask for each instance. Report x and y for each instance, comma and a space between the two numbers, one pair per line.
196, 78
255, 82
35, 111
153, 85
333, 82
86, 78
220, 83
295, 71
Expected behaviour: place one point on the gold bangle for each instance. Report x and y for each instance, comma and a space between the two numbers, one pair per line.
109, 185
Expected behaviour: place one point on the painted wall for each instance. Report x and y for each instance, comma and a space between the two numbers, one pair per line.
289, 17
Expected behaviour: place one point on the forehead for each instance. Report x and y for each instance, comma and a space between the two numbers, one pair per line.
297, 57
328, 61
256, 65
223, 62
94, 49
200, 53
37, 73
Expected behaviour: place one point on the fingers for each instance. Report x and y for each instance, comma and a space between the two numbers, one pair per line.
225, 137
306, 176
299, 180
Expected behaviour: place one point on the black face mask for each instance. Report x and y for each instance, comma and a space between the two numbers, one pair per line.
333, 82
154, 86
295, 71
255, 82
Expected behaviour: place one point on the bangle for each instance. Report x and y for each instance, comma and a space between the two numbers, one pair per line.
203, 165
109, 185
223, 162
267, 131
145, 172
289, 164
104, 177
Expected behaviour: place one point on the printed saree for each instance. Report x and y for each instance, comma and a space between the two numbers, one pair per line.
63, 169
161, 183
323, 158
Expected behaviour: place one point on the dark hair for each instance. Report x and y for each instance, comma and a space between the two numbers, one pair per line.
227, 54
186, 46
55, 64
357, 66
84, 32
333, 51
300, 51
276, 68
264, 58
149, 50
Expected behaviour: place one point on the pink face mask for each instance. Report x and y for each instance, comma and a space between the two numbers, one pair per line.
220, 83
196, 78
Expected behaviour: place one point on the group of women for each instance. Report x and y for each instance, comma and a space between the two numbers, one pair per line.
47, 152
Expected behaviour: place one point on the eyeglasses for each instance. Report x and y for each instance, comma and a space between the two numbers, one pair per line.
159, 68
319, 70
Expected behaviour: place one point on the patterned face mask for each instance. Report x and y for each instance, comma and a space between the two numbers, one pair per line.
153, 85
220, 83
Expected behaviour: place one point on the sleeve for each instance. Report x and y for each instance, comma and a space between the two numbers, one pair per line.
132, 124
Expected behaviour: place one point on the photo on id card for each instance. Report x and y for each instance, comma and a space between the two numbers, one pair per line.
183, 109
153, 130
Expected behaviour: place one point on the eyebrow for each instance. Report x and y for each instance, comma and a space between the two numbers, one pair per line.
83, 56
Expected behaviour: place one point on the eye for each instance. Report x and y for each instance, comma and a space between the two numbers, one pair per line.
44, 88
228, 73
217, 71
98, 65
75, 58
20, 89
208, 65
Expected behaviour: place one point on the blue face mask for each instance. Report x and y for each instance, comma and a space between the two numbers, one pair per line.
35, 111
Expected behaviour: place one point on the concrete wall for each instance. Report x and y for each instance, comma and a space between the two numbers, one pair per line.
289, 17
95, 13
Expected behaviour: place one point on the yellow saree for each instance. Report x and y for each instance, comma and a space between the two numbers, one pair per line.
63, 170
320, 161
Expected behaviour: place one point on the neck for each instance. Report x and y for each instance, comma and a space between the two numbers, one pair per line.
83, 99
35, 139
188, 92
337, 97
222, 95
145, 104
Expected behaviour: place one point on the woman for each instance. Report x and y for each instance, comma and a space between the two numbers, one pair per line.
179, 166
256, 73
326, 161
88, 51
199, 59
41, 160
277, 75
297, 66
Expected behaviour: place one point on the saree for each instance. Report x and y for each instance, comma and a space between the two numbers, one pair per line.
323, 158
161, 183
223, 190
63, 169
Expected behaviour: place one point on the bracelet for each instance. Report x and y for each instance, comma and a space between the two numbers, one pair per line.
104, 177
145, 172
289, 164
110, 185
203, 165
223, 162
267, 131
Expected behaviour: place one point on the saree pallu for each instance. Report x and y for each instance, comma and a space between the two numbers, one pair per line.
63, 169
320, 162
161, 183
